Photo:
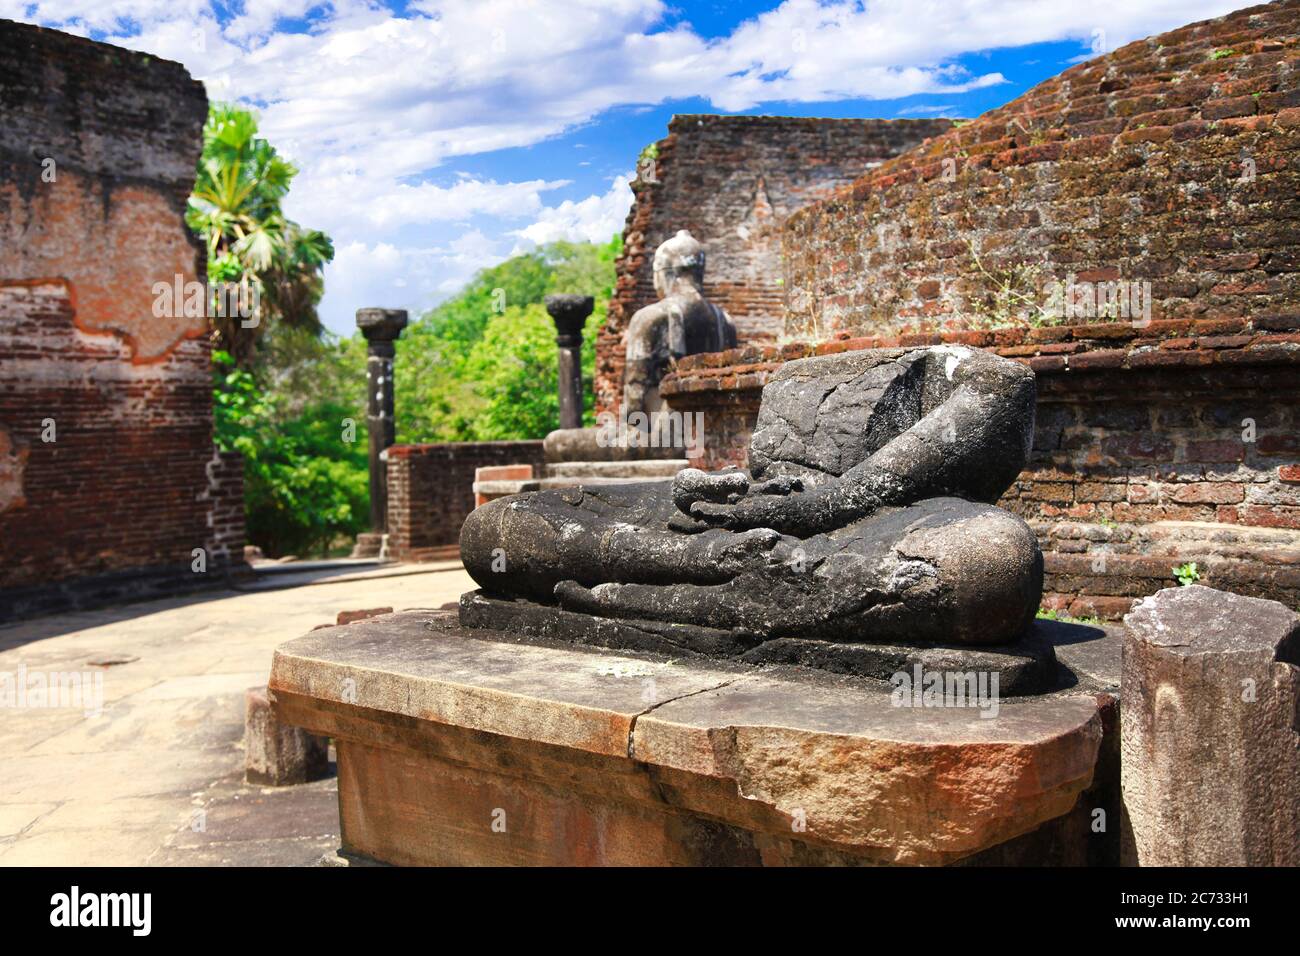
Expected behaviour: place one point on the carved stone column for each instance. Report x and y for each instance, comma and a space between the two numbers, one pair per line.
381, 327
570, 314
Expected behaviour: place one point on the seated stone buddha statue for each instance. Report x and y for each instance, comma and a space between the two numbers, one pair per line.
866, 515
683, 322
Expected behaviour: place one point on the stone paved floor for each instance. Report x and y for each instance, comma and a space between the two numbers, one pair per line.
157, 777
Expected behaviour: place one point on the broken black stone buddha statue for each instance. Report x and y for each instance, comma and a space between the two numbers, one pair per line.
866, 516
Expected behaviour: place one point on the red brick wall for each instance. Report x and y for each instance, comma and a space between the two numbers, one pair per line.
733, 181
225, 501
1173, 160
1141, 455
431, 491
123, 485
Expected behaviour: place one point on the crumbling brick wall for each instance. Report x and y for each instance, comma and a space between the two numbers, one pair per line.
105, 407
431, 491
733, 181
1172, 160
227, 530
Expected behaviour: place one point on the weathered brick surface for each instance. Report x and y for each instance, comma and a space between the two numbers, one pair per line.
733, 181
1173, 160
227, 532
431, 490
1135, 468
129, 483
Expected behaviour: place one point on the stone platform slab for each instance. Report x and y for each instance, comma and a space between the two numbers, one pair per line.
476, 747
1027, 667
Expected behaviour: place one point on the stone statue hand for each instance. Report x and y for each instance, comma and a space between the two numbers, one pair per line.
692, 485
780, 485
752, 511
787, 505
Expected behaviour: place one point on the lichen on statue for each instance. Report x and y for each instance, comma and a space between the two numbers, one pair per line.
867, 515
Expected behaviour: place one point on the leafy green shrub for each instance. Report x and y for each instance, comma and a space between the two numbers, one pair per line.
305, 485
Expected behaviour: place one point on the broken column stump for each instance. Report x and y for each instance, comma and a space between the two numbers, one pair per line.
277, 754
381, 327
1210, 750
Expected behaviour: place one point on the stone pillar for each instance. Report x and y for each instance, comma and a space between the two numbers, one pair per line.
1208, 731
570, 314
381, 327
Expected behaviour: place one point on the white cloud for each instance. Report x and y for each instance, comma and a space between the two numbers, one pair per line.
401, 276
943, 110
367, 203
396, 96
594, 219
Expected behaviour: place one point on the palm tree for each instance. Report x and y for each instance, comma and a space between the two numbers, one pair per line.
293, 284
235, 208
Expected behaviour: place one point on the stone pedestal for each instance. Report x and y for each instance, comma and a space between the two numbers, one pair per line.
464, 746
577, 457
1210, 741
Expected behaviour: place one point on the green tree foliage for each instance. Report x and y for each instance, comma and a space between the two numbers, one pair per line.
305, 482
482, 365
282, 388
235, 209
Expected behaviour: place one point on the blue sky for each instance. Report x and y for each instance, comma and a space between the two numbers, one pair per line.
436, 137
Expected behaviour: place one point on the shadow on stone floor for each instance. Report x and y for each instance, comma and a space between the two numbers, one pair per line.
239, 824
15, 634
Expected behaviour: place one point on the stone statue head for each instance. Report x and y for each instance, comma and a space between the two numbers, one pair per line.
682, 256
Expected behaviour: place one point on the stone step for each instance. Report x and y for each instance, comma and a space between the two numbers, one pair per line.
570, 474
621, 470
499, 489
596, 482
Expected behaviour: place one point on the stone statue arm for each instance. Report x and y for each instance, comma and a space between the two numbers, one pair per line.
971, 444
647, 355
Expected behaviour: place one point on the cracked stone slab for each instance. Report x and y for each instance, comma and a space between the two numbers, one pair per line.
594, 756
903, 784
422, 665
